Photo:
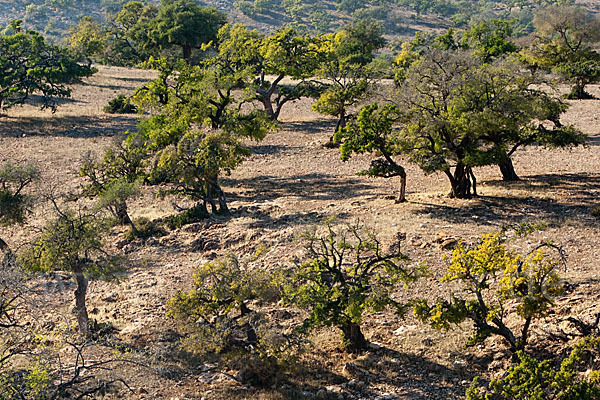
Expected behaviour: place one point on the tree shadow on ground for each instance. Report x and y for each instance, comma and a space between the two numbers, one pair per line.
577, 194
67, 126
108, 86
268, 149
311, 127
314, 186
416, 376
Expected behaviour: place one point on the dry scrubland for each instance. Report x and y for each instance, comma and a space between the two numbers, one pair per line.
290, 182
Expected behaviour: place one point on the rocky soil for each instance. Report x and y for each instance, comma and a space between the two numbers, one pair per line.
291, 182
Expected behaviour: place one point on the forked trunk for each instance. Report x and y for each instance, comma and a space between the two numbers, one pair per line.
508, 170
80, 307
122, 215
354, 340
461, 182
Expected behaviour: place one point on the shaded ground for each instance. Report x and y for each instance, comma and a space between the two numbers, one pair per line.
292, 182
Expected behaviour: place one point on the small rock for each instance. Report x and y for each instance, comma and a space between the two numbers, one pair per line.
459, 364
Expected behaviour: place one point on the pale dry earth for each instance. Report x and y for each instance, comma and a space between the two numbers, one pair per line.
291, 182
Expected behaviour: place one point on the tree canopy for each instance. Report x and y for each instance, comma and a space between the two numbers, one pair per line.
565, 40
30, 65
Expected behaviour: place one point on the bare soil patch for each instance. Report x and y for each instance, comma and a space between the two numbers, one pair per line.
289, 183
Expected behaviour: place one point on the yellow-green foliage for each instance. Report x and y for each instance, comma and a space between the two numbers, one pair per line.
492, 277
538, 380
216, 312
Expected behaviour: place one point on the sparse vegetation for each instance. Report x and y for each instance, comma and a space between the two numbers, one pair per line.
222, 299
493, 277
31, 65
347, 273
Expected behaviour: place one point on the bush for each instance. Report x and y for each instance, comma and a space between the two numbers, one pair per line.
347, 273
145, 229
120, 105
189, 216
492, 277
220, 321
533, 379
596, 211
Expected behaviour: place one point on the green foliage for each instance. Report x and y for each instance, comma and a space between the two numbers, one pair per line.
492, 277
185, 24
218, 320
120, 105
88, 39
197, 126
128, 34
348, 68
565, 41
347, 273
70, 242
189, 216
490, 39
13, 202
533, 379
29, 64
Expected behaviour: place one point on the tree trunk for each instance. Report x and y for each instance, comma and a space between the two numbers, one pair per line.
508, 170
187, 52
354, 340
460, 182
251, 336
402, 194
123, 218
9, 258
265, 98
80, 307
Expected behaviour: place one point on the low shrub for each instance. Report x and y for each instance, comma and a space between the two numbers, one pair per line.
120, 105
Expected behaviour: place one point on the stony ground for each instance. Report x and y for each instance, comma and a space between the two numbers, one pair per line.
291, 182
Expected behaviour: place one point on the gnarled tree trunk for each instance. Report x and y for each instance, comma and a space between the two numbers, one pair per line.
122, 215
461, 182
80, 307
354, 339
508, 170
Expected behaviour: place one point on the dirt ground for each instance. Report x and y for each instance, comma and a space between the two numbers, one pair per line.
289, 183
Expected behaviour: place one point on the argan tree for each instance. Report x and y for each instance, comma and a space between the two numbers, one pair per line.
14, 203
73, 242
283, 54
347, 68
88, 39
217, 310
534, 379
116, 177
223, 319
374, 131
565, 40
458, 112
185, 24
199, 122
492, 277
29, 64
127, 31
346, 273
